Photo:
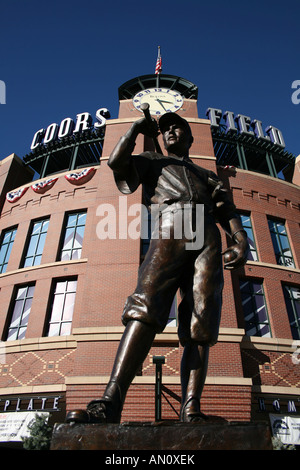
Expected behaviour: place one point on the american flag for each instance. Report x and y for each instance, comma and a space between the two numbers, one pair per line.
158, 67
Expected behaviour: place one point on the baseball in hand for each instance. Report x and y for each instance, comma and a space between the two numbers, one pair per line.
229, 256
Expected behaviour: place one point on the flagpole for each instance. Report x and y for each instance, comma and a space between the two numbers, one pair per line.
158, 67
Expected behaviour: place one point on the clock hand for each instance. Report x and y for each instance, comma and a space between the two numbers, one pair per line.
160, 102
164, 101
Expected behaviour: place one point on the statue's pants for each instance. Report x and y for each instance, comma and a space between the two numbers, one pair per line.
169, 266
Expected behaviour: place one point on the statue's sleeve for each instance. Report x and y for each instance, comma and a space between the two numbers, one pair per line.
128, 169
224, 208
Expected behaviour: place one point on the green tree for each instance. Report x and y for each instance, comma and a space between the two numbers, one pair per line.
39, 434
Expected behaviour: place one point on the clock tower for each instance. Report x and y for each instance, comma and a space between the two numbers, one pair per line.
174, 94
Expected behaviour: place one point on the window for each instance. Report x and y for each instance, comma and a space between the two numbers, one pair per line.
36, 243
254, 308
281, 243
6, 246
172, 320
292, 300
62, 308
21, 311
73, 239
247, 226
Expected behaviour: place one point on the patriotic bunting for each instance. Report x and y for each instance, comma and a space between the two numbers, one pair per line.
14, 196
80, 178
43, 186
74, 178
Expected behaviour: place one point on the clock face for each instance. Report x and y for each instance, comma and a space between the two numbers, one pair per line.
160, 100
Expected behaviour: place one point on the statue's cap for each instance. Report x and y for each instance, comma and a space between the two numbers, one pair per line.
173, 118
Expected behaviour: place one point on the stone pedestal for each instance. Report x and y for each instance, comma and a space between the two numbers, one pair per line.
166, 436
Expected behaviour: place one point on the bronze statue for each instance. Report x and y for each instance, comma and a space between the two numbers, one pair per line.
173, 182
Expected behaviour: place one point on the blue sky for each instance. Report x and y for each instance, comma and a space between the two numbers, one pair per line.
61, 58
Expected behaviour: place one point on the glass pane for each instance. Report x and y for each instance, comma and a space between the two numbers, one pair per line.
65, 329
81, 218
257, 288
68, 241
275, 243
61, 287
37, 228
78, 237
7, 237
12, 334
54, 329
271, 225
76, 254
30, 291
72, 286
281, 228
32, 245
263, 330
250, 330
26, 312
244, 286
252, 256
28, 262
69, 307
3, 268
9, 248
245, 220
57, 308
66, 255
3, 251
41, 243
45, 225
37, 260
72, 220
16, 317
22, 332
21, 294
284, 243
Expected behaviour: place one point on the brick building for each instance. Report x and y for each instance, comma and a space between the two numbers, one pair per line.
63, 287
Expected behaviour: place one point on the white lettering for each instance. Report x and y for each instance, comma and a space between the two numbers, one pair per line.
83, 123
106, 228
37, 139
172, 459
66, 128
295, 96
258, 130
214, 115
292, 407
43, 403
230, 127
2, 92
134, 227
276, 405
51, 133
275, 136
183, 222
101, 115
244, 123
30, 405
7, 403
116, 460
55, 403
